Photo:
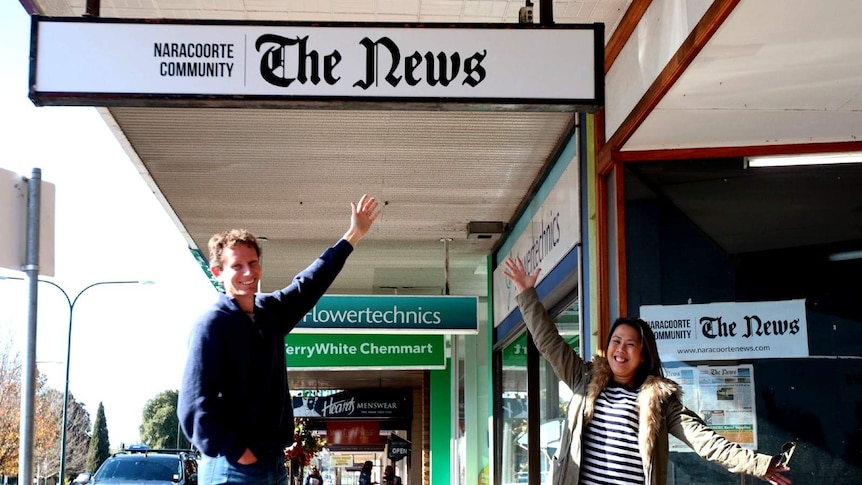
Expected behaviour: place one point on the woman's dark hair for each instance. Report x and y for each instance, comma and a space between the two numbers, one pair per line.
651, 366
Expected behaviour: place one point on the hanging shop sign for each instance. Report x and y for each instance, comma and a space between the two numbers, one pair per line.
729, 331
149, 62
404, 314
397, 448
356, 403
364, 351
352, 435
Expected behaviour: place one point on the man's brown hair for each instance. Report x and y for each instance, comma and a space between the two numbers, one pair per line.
229, 239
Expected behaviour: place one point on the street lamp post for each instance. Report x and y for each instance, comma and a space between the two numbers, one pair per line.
71, 302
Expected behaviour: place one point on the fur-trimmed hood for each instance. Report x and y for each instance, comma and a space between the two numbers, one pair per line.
652, 395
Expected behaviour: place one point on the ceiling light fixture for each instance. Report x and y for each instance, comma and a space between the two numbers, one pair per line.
485, 229
813, 159
845, 256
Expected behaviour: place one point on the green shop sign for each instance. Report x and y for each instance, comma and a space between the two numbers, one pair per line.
364, 351
515, 354
383, 314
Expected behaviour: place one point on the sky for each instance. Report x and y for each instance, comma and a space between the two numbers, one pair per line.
128, 341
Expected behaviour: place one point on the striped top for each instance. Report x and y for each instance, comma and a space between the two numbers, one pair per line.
610, 441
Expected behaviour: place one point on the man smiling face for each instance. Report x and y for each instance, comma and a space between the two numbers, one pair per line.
239, 274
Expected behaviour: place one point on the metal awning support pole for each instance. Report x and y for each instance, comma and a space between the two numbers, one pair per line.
546, 12
28, 369
93, 7
446, 241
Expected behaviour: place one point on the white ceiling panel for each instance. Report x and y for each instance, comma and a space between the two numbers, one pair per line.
776, 71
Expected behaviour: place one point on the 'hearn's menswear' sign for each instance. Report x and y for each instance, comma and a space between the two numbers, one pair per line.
117, 62
356, 403
384, 314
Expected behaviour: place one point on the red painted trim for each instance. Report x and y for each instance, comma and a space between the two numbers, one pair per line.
619, 180
731, 152
676, 66
623, 31
602, 290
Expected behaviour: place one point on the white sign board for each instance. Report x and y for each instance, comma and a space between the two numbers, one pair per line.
81, 60
552, 232
729, 331
13, 223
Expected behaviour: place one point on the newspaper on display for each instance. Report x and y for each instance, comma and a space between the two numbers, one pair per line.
724, 397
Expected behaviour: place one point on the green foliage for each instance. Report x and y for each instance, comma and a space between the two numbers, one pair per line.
160, 425
100, 447
306, 443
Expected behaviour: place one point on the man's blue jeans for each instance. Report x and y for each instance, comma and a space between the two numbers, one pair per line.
218, 471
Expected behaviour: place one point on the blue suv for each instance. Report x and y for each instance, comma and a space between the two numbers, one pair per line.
150, 467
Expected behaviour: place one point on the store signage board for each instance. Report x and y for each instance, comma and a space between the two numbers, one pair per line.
384, 314
729, 330
165, 62
548, 231
364, 351
389, 403
515, 353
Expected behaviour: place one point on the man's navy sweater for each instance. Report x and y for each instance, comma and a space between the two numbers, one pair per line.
235, 393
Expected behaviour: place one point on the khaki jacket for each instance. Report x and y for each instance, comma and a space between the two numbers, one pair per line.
660, 410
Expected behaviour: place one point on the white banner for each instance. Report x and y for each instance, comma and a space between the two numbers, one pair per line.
552, 232
92, 57
729, 331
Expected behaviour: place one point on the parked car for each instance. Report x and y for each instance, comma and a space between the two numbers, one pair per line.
153, 467
83, 478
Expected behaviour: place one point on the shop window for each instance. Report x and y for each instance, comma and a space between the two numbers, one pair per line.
514, 462
554, 395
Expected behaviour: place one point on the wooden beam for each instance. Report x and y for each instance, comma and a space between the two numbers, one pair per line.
624, 30
620, 201
731, 152
602, 269
715, 15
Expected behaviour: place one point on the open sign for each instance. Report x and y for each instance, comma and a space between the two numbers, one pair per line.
397, 447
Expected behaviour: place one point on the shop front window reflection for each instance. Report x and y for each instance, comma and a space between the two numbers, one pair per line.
514, 416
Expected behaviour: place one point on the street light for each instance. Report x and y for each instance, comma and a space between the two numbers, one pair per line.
71, 302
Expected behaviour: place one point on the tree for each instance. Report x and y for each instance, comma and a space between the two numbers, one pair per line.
78, 427
47, 438
100, 447
160, 424
48, 411
47, 417
10, 407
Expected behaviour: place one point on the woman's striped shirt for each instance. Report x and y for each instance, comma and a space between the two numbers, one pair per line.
610, 442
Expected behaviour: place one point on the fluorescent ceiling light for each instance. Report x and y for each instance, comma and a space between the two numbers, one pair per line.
814, 159
845, 256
